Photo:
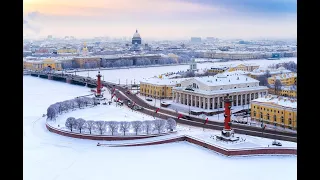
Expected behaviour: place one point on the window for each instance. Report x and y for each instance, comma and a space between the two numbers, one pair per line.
254, 107
290, 122
274, 118
278, 111
261, 115
281, 112
264, 109
268, 117
282, 119
254, 113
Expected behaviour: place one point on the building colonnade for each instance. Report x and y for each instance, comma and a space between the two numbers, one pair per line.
216, 101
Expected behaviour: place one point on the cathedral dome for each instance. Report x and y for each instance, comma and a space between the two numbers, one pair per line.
136, 34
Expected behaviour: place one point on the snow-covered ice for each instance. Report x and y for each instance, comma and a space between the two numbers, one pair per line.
54, 157
134, 75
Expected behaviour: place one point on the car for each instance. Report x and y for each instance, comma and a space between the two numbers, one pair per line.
186, 117
276, 143
148, 99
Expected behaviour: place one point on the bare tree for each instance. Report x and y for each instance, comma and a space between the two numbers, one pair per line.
147, 126
137, 126
101, 126
73, 104
263, 80
190, 74
277, 86
90, 125
113, 126
267, 74
80, 124
79, 102
124, 127
159, 125
51, 113
60, 107
87, 101
68, 104
171, 124
71, 123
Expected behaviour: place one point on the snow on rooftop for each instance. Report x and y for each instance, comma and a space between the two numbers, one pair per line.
226, 79
285, 75
282, 101
223, 91
162, 81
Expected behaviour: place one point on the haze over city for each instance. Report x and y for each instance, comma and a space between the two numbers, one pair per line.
161, 19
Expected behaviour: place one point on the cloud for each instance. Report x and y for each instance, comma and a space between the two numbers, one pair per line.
33, 15
30, 24
164, 18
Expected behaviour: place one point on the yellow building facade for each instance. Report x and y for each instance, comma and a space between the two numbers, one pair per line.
287, 79
157, 91
80, 61
244, 67
217, 70
38, 65
278, 111
285, 91
66, 50
158, 87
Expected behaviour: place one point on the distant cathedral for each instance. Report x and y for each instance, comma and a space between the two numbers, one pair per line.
136, 42
136, 39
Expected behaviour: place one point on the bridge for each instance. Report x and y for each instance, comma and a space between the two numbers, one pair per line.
164, 113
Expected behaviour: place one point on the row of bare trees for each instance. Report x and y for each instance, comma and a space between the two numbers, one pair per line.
291, 65
60, 107
113, 127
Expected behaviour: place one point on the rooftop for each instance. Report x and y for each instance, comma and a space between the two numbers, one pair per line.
226, 79
285, 75
162, 81
277, 100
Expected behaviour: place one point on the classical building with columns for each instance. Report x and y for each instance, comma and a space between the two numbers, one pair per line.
208, 92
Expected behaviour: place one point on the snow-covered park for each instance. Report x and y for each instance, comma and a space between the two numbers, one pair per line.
54, 157
134, 75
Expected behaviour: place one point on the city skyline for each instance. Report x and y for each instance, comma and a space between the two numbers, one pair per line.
161, 19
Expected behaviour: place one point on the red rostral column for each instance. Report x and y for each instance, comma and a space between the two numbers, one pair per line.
99, 84
227, 114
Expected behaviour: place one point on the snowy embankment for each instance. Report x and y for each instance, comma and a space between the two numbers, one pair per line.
50, 156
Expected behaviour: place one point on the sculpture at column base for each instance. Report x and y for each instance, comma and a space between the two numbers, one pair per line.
227, 134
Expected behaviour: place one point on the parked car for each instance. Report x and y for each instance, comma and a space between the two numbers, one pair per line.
186, 117
148, 99
276, 143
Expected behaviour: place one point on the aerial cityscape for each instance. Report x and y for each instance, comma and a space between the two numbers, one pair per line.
195, 89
